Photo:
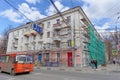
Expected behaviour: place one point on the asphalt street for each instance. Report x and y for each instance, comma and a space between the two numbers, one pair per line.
61, 75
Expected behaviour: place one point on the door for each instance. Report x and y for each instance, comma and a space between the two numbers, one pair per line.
58, 58
40, 57
69, 59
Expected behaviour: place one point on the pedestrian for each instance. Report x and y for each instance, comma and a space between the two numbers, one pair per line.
114, 61
92, 64
95, 62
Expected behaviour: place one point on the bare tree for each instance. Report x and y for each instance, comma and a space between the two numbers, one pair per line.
108, 38
4, 40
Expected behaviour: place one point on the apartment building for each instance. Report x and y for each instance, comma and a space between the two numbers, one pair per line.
62, 43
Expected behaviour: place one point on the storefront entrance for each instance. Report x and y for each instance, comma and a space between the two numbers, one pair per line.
69, 59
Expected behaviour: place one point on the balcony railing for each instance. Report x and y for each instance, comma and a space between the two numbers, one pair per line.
33, 32
55, 47
15, 45
86, 34
57, 26
16, 36
85, 49
84, 21
86, 40
63, 32
57, 38
27, 34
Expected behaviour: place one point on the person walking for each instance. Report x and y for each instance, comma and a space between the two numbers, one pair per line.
95, 62
92, 64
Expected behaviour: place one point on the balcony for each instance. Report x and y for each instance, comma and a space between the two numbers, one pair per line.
63, 32
84, 21
13, 42
27, 34
26, 42
33, 32
86, 40
15, 45
57, 26
16, 37
40, 40
85, 49
86, 34
33, 42
65, 47
54, 47
56, 38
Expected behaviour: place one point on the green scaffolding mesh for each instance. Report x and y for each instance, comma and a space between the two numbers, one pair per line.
96, 47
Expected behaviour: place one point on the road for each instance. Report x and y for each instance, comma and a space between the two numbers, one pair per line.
61, 75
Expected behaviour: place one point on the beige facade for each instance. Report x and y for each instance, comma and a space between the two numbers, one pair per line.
57, 41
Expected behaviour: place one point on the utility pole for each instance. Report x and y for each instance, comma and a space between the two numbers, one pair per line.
117, 41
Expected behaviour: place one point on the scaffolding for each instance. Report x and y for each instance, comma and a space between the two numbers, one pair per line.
96, 47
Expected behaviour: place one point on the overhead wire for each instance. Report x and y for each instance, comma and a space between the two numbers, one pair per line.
32, 20
24, 14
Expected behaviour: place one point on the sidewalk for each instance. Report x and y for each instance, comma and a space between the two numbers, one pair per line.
108, 68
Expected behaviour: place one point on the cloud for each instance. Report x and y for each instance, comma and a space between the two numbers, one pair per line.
11, 15
31, 12
33, 1
100, 10
105, 30
51, 10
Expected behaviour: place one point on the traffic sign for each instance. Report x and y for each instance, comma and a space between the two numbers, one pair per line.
37, 28
115, 52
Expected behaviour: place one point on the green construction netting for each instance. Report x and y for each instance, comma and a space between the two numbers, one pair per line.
96, 47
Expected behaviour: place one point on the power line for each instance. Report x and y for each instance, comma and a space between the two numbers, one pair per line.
24, 14
18, 10
59, 12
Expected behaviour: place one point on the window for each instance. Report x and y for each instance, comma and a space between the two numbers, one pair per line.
48, 45
42, 26
47, 56
34, 37
27, 38
69, 43
18, 33
48, 25
22, 31
40, 45
27, 47
58, 57
85, 46
21, 39
41, 36
58, 44
58, 21
21, 48
69, 20
48, 34
34, 46
4, 58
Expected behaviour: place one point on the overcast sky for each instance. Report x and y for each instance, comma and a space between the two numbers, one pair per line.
102, 13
